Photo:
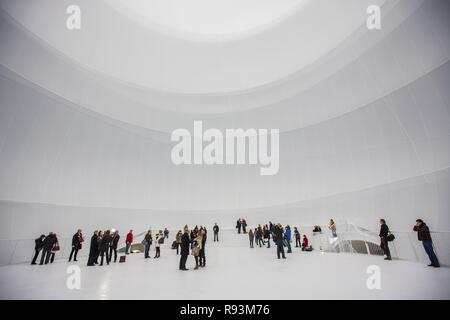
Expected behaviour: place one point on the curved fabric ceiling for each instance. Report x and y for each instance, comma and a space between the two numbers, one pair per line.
129, 52
211, 20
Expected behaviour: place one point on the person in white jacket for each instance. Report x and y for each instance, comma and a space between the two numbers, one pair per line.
158, 241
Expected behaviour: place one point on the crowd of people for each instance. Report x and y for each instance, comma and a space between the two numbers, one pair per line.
104, 244
281, 237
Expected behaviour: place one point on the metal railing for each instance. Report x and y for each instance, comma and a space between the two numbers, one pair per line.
350, 239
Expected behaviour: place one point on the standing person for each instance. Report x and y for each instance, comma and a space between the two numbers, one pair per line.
203, 248
159, 239
166, 233
128, 241
423, 234
266, 234
332, 227
196, 253
185, 243
99, 245
77, 239
55, 248
384, 231
47, 246
113, 245
93, 249
244, 226
38, 244
278, 231
178, 240
216, 232
238, 225
148, 242
104, 247
251, 236
297, 237
287, 238
259, 236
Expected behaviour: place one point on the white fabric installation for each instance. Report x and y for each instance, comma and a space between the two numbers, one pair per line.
86, 115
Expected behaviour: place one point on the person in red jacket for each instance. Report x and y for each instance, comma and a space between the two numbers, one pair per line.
128, 241
305, 243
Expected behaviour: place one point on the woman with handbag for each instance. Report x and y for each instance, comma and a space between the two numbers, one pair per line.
384, 232
55, 248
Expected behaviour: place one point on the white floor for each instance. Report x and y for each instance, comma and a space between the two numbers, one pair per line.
233, 271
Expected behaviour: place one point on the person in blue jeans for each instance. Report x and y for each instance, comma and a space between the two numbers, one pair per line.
287, 238
423, 234
147, 242
278, 232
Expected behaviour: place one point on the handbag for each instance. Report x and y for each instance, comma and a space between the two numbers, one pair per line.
390, 237
56, 247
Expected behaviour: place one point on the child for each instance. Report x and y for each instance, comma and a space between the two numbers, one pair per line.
196, 253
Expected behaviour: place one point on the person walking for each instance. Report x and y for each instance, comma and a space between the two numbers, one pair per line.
216, 232
113, 245
251, 236
77, 239
128, 241
297, 238
185, 243
287, 238
332, 227
147, 243
384, 231
424, 235
38, 244
278, 231
159, 239
47, 246
104, 247
93, 249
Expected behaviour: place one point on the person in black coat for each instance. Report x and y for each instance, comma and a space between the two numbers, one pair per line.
244, 226
113, 246
216, 232
77, 239
278, 232
424, 235
104, 247
38, 244
47, 246
384, 231
184, 252
203, 249
239, 225
93, 249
